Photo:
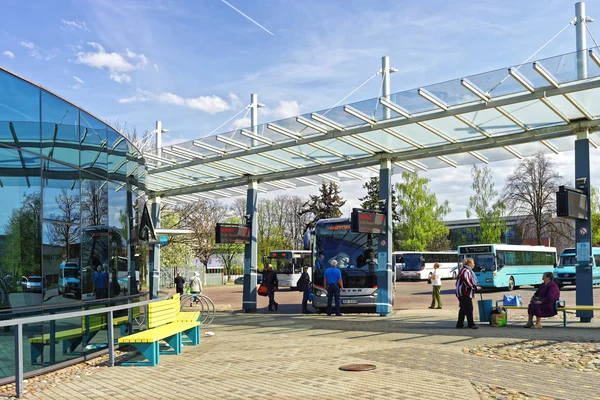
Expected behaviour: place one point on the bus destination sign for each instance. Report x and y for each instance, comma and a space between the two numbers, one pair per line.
367, 221
475, 249
232, 233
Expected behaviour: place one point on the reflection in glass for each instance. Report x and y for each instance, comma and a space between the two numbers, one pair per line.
60, 256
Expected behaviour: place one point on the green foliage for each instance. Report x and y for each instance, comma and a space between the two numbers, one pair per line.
421, 219
485, 206
177, 253
326, 205
371, 200
595, 206
230, 254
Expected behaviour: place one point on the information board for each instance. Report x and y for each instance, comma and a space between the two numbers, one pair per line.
366, 221
571, 203
232, 233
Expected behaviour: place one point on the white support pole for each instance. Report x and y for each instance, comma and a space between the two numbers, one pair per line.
254, 115
158, 140
385, 72
581, 36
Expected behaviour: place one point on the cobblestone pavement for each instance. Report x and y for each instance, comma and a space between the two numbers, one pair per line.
418, 353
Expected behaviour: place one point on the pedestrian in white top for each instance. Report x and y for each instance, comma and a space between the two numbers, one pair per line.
436, 284
195, 288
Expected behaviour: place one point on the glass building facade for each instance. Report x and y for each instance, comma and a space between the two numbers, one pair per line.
69, 186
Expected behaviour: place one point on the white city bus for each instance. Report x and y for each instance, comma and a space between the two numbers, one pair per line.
418, 265
288, 265
398, 263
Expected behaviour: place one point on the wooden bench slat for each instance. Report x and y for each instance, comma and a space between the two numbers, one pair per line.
60, 335
159, 333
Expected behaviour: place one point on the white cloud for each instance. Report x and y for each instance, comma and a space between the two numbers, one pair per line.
120, 78
116, 63
78, 84
73, 25
156, 67
37, 52
209, 104
28, 45
9, 54
241, 123
285, 109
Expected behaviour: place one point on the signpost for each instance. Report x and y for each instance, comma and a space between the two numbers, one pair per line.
232, 233
367, 221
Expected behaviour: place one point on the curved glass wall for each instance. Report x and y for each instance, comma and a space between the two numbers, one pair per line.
68, 198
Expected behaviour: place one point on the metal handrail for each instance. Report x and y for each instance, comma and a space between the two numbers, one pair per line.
19, 322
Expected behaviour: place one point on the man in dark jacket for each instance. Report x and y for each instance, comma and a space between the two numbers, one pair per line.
271, 282
304, 286
179, 281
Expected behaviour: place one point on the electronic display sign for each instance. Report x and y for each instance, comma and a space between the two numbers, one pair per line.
232, 233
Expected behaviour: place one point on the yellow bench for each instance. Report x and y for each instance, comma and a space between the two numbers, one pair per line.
165, 322
184, 316
560, 306
71, 338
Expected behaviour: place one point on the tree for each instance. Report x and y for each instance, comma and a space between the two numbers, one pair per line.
271, 232
66, 234
178, 253
486, 205
530, 191
421, 219
371, 200
595, 206
325, 205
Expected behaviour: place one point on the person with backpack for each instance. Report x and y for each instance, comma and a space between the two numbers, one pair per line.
195, 288
304, 287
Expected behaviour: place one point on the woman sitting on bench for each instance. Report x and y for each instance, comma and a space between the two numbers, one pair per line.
543, 302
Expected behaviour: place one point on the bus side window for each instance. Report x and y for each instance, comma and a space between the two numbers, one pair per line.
500, 259
596, 260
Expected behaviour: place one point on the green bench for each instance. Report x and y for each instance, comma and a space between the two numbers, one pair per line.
165, 322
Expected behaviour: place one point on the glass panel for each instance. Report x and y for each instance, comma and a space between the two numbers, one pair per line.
117, 221
19, 113
61, 193
94, 242
20, 230
588, 99
492, 122
60, 129
533, 114
93, 138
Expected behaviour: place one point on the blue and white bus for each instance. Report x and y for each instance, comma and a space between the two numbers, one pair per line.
509, 266
356, 254
565, 271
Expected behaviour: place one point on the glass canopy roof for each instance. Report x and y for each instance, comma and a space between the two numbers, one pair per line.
507, 113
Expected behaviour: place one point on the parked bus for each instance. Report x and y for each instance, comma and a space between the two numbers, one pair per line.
288, 265
418, 265
69, 279
509, 266
398, 263
356, 257
565, 271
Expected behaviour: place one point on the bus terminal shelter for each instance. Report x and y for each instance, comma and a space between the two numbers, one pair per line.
548, 105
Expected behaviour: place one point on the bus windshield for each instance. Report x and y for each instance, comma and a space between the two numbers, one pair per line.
568, 260
282, 265
483, 262
355, 254
412, 262
71, 271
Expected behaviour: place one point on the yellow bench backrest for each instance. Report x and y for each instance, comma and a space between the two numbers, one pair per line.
93, 322
161, 313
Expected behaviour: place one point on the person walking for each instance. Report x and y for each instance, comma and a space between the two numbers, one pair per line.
304, 286
466, 285
179, 281
334, 284
195, 288
271, 282
436, 285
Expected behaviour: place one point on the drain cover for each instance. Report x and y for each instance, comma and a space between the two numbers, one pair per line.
358, 367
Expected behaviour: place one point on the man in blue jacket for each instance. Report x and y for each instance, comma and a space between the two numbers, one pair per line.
334, 284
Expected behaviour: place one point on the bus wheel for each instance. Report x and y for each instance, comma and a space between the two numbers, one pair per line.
511, 283
454, 275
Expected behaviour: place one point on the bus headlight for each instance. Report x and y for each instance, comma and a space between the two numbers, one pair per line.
374, 294
320, 293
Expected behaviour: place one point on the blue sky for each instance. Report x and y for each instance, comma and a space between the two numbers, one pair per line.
194, 64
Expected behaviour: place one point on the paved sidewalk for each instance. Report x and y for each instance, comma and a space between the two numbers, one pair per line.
418, 355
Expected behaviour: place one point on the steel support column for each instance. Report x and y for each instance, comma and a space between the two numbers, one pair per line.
155, 256
251, 250
385, 292
580, 37
583, 229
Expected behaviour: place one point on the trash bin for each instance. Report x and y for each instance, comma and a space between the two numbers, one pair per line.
485, 310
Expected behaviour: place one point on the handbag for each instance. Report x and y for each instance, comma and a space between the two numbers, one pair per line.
262, 290
310, 295
510, 300
188, 290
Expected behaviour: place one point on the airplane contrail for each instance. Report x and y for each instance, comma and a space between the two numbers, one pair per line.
250, 19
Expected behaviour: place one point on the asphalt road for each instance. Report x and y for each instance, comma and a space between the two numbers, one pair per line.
409, 295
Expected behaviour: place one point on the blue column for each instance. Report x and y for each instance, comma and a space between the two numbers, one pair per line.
583, 229
385, 293
155, 260
251, 251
